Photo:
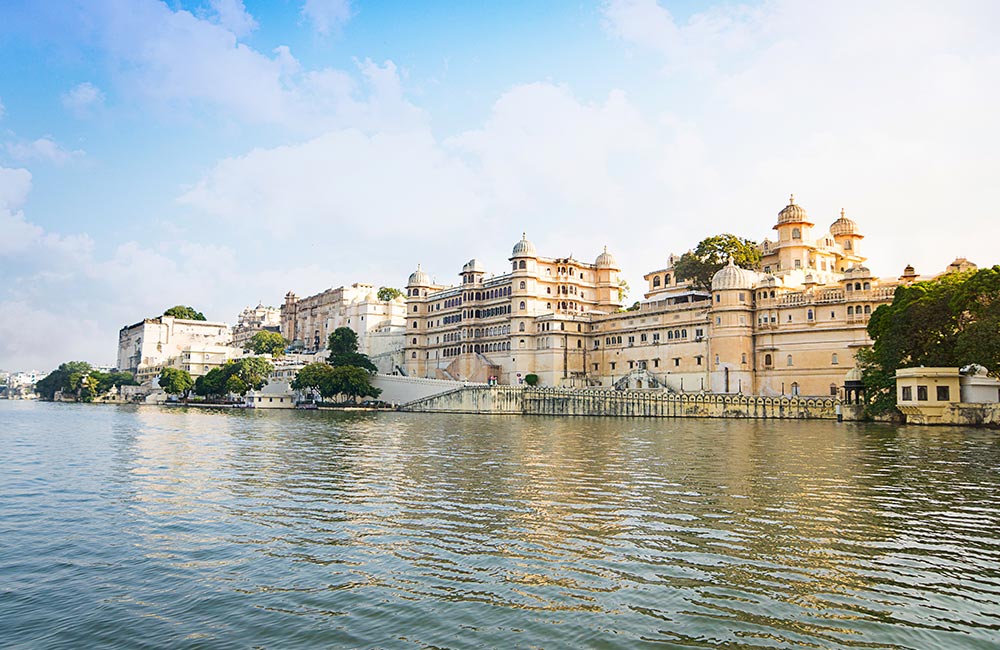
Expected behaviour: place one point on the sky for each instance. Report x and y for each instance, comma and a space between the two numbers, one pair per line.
219, 153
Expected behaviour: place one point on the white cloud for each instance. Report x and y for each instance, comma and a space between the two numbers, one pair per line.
233, 15
43, 149
327, 16
83, 99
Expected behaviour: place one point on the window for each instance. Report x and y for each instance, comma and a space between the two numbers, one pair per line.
520, 327
796, 233
834, 360
798, 264
413, 355
850, 310
921, 393
833, 390
716, 359
522, 306
809, 314
943, 393
414, 309
718, 320
789, 360
767, 360
656, 281
868, 309
718, 298
697, 360
907, 393
677, 361
522, 285
414, 341
522, 265
744, 360
743, 297
795, 388
612, 365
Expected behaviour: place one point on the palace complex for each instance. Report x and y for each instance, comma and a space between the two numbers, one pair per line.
792, 328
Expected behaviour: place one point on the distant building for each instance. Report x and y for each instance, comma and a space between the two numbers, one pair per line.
147, 346
308, 322
255, 319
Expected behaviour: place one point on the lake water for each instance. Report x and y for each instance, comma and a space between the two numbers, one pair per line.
142, 527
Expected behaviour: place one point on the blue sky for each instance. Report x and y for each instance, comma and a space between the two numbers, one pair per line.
220, 153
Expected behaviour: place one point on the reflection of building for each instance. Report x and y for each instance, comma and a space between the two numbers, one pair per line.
151, 343
253, 320
792, 328
308, 322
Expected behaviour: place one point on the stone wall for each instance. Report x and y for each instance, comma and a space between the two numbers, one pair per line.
560, 401
397, 389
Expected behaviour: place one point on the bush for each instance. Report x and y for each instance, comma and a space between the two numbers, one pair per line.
531, 380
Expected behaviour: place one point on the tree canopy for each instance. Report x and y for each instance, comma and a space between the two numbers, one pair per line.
953, 320
60, 379
343, 346
265, 342
239, 377
711, 254
182, 311
385, 294
176, 381
327, 380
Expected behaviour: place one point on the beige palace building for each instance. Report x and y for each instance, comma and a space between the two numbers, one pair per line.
791, 329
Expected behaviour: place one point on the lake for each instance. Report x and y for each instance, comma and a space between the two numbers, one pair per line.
144, 527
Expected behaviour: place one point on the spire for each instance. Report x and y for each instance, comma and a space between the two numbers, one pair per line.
842, 213
791, 199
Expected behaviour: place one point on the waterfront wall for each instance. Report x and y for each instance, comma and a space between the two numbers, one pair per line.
397, 389
955, 413
569, 402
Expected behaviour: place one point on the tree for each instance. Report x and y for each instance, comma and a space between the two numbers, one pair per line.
59, 379
313, 377
386, 294
711, 254
265, 342
953, 320
187, 313
623, 290
211, 384
343, 346
176, 381
249, 373
351, 381
531, 379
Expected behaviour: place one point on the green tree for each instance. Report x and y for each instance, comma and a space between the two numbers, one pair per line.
59, 379
249, 373
386, 294
176, 381
531, 379
312, 377
711, 254
265, 342
343, 346
211, 384
352, 381
953, 320
182, 311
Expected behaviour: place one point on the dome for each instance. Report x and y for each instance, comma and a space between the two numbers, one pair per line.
418, 278
473, 266
858, 271
731, 276
606, 260
523, 248
843, 226
792, 213
854, 374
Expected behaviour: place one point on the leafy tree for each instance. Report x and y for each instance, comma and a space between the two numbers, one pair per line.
249, 373
176, 381
386, 294
343, 346
623, 289
211, 384
953, 320
531, 379
182, 311
59, 379
312, 377
711, 254
265, 342
351, 381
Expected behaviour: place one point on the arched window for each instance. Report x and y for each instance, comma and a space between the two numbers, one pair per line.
656, 281
767, 359
670, 335
809, 314
834, 360
522, 264
867, 285
850, 310
744, 360
847, 245
413, 355
523, 306
868, 309
857, 286
522, 285
796, 233
795, 388
789, 360
772, 294
520, 327
666, 279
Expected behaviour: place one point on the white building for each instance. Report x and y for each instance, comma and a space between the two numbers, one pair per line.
153, 342
255, 319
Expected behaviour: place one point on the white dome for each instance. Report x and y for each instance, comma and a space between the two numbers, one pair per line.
731, 276
606, 260
418, 278
523, 248
473, 266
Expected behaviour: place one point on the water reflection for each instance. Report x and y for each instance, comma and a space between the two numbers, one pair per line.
387, 530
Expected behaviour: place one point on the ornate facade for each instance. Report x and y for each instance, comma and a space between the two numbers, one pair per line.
792, 328
255, 319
